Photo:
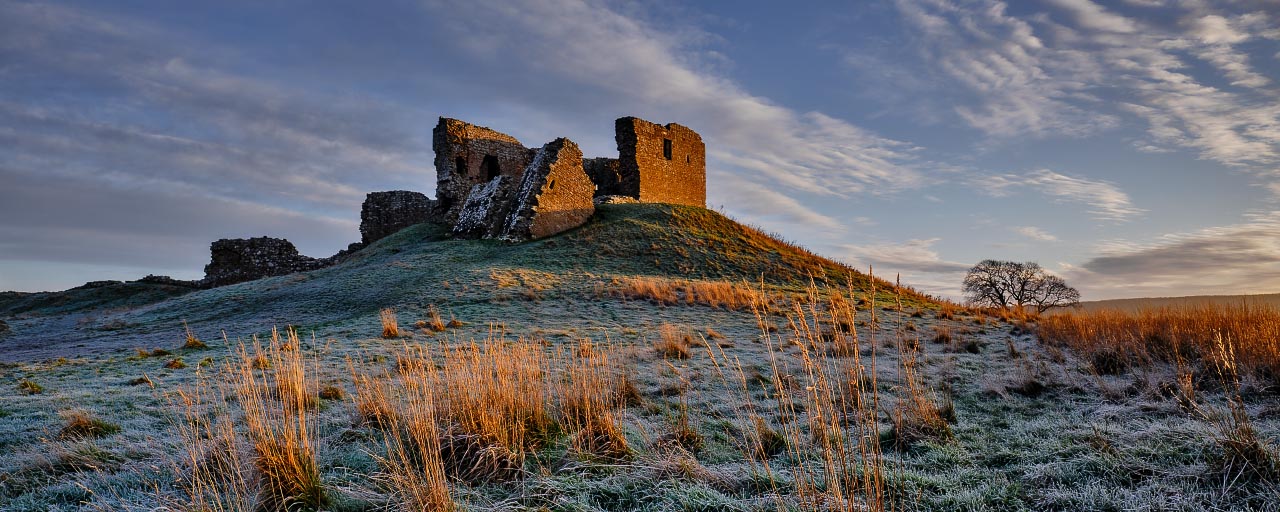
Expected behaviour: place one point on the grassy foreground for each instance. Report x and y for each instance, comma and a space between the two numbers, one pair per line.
437, 375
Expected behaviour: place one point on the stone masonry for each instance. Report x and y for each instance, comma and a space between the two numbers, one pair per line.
245, 259
468, 155
488, 185
660, 164
385, 213
555, 194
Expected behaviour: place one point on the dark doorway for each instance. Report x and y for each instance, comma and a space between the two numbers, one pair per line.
490, 167
666, 148
460, 166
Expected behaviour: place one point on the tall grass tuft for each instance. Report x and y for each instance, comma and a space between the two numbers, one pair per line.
279, 428
390, 327
837, 396
413, 469
674, 342
191, 342
590, 390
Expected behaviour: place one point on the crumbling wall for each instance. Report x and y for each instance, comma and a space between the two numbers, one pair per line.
660, 164
385, 213
468, 155
555, 194
245, 259
485, 213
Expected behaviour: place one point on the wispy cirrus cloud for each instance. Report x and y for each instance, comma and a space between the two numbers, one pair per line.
1058, 73
1105, 200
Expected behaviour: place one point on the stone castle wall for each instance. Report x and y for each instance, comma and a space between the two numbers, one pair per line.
661, 164
488, 185
468, 155
384, 213
245, 259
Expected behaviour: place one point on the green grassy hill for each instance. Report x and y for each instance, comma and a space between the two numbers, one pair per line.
421, 267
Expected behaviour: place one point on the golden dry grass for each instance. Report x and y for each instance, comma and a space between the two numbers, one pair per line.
390, 327
1204, 335
191, 342
717, 294
278, 425
674, 342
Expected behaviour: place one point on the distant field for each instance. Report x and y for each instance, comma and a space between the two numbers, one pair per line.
1271, 299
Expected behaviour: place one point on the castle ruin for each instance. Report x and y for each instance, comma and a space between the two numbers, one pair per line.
489, 185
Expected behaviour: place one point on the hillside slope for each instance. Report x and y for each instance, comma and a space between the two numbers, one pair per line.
420, 267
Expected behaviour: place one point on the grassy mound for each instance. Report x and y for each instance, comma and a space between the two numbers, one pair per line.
421, 266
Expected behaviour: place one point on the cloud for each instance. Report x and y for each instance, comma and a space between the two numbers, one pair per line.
1093, 16
1107, 202
1215, 29
1035, 233
999, 61
1238, 258
916, 261
764, 205
1060, 73
657, 73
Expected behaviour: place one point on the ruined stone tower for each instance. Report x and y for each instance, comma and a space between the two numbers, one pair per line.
660, 164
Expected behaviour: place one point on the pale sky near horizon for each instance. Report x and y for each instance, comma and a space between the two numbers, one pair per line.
1131, 146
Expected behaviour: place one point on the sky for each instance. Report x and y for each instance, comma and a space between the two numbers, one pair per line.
1130, 146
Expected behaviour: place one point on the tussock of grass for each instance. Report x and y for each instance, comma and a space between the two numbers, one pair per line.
80, 425
279, 428
30, 387
1243, 454
390, 328
434, 321
674, 342
191, 342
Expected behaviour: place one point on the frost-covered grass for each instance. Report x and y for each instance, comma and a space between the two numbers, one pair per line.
745, 422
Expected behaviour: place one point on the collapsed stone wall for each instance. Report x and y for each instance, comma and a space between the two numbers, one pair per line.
245, 259
468, 155
485, 212
385, 213
660, 164
555, 194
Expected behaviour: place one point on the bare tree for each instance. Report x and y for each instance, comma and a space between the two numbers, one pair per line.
1005, 284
